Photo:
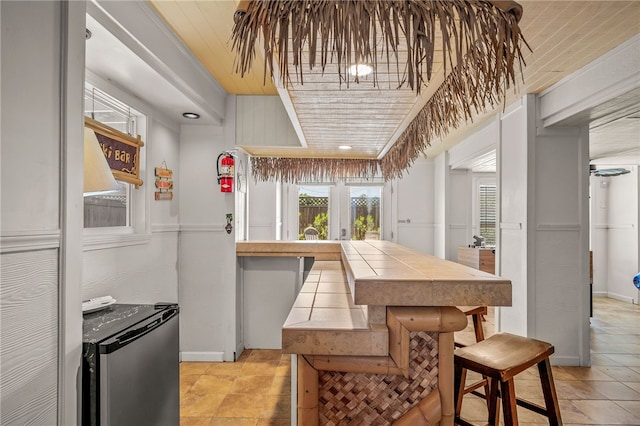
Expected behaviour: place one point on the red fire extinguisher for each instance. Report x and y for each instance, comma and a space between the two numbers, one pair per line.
225, 169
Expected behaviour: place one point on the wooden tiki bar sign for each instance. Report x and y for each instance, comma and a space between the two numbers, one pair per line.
122, 151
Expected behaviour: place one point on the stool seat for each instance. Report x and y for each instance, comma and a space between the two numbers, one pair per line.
499, 358
504, 355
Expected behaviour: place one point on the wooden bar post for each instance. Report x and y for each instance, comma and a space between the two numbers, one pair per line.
445, 377
307, 393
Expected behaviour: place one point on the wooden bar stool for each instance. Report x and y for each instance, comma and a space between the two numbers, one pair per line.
477, 316
500, 358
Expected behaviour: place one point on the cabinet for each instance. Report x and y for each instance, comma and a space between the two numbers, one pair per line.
483, 259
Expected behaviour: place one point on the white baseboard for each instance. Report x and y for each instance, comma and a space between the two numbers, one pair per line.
202, 356
621, 297
572, 361
239, 349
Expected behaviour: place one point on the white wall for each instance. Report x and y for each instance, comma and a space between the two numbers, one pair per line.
511, 258
543, 236
614, 209
440, 190
412, 207
459, 211
263, 220
207, 262
263, 121
40, 210
147, 271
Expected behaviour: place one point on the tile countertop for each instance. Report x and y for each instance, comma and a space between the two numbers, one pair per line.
388, 274
341, 309
320, 249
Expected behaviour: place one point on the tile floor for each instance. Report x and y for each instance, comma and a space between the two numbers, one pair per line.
256, 390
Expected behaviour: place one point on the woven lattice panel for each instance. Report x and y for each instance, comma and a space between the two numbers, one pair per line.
370, 399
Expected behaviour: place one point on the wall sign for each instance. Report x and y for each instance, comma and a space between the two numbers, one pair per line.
121, 151
164, 183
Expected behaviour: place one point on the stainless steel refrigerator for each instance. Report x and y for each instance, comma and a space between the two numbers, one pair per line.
130, 372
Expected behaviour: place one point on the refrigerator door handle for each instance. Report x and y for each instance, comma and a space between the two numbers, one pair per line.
138, 332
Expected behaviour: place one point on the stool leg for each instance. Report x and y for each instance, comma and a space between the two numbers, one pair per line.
459, 377
492, 398
549, 391
508, 394
477, 327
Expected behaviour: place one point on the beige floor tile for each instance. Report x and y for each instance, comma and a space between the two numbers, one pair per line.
617, 391
232, 421
186, 381
210, 384
632, 407
628, 360
281, 386
274, 422
600, 412
196, 405
259, 368
265, 355
283, 370
581, 373
251, 384
604, 360
237, 405
621, 374
529, 389
276, 406
193, 367
578, 390
224, 368
633, 385
195, 421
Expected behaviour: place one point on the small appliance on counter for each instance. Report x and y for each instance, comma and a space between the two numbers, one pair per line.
130, 366
96, 304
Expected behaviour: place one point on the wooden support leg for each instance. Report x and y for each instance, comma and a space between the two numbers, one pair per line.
445, 377
477, 327
494, 413
508, 394
549, 391
307, 393
460, 377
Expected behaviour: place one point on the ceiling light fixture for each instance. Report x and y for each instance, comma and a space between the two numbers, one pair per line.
345, 147
360, 70
191, 115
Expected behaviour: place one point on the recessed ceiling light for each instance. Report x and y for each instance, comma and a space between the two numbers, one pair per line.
344, 147
191, 115
360, 70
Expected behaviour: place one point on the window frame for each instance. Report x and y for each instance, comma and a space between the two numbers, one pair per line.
139, 230
348, 189
328, 187
479, 182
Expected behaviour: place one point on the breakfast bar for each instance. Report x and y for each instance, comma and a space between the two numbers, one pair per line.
372, 328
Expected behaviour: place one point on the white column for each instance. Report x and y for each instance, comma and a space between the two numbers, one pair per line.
544, 231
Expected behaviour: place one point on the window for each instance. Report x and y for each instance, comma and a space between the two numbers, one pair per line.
365, 212
113, 210
313, 211
487, 207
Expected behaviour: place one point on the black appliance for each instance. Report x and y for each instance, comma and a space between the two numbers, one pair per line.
130, 366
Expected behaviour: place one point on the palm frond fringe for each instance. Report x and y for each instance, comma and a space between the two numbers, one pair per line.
294, 170
481, 43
